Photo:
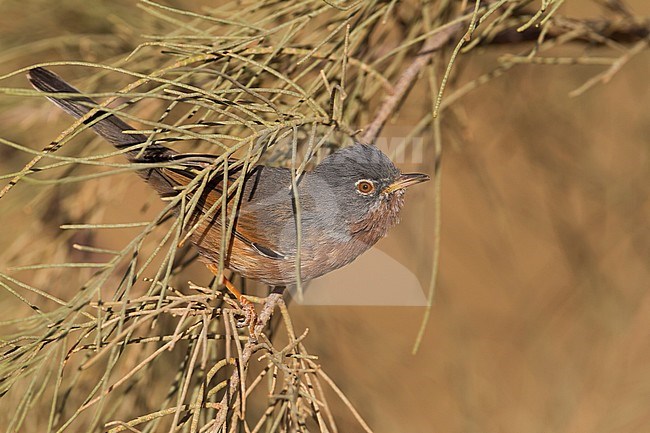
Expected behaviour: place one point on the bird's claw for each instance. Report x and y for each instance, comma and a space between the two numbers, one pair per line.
250, 316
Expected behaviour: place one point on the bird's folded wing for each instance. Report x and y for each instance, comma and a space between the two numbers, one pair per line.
185, 168
191, 165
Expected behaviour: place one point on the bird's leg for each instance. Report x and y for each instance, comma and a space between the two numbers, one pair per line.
250, 316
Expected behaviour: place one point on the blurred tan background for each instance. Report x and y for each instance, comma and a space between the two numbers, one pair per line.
541, 321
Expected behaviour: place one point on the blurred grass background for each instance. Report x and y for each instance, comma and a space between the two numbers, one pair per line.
541, 320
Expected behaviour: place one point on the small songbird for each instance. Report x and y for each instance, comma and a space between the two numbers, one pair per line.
347, 203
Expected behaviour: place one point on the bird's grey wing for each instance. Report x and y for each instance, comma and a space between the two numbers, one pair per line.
265, 220
246, 228
184, 168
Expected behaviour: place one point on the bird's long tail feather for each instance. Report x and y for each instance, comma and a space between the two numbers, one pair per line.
108, 126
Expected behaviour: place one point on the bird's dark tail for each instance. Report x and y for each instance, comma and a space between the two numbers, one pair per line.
110, 127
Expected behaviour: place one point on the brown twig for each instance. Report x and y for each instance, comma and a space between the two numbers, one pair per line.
622, 32
407, 79
249, 348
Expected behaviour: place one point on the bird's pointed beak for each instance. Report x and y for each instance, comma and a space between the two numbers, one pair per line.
406, 180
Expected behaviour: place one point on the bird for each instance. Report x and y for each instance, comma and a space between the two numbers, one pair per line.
347, 202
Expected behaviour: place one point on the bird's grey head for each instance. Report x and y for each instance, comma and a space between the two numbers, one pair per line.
367, 186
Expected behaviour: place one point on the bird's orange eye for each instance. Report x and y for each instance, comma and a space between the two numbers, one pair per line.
365, 186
